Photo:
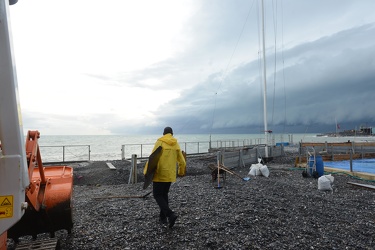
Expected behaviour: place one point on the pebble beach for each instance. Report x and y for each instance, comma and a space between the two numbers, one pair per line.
282, 211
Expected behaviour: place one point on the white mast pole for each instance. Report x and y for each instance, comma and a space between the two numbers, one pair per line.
265, 86
336, 125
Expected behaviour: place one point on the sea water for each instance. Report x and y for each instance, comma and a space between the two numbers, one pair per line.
56, 148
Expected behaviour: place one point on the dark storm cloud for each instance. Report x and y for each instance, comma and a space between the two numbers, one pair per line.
334, 79
329, 79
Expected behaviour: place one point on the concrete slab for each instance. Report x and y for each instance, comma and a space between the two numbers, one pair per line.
110, 165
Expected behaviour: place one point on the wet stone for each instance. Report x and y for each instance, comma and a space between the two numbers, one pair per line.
283, 211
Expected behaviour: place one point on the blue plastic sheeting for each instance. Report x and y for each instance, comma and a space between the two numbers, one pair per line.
359, 165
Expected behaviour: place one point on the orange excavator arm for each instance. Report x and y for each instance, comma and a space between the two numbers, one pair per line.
34, 161
49, 195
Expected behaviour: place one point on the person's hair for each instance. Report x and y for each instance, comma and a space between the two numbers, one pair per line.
168, 130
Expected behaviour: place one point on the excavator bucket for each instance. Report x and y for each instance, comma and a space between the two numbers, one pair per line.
55, 212
58, 197
49, 196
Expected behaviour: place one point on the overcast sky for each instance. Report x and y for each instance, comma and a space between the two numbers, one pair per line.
127, 67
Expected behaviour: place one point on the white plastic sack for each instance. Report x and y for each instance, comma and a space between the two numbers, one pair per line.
324, 183
259, 169
330, 178
253, 170
264, 170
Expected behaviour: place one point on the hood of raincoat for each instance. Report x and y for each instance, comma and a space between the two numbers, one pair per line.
169, 139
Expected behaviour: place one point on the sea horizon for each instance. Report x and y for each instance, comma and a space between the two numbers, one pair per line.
58, 148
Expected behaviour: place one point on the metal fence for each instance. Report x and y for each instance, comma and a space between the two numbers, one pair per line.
339, 151
190, 148
245, 156
65, 153
76, 153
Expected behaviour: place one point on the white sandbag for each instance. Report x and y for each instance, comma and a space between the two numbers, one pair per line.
324, 183
264, 170
258, 170
253, 170
330, 178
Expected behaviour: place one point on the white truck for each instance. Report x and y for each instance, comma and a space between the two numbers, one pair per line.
34, 199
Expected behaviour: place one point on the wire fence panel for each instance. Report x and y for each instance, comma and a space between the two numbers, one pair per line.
75, 153
66, 153
190, 148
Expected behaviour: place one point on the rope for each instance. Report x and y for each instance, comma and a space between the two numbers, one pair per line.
337, 173
229, 62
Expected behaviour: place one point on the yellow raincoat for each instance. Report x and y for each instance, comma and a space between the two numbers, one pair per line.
171, 154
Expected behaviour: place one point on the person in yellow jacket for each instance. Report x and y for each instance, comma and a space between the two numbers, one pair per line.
165, 174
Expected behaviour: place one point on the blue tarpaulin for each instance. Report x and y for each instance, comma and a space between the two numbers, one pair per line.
359, 165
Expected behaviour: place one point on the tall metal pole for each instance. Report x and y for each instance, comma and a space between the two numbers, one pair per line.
264, 86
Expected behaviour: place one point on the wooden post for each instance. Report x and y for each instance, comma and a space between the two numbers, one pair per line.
123, 152
130, 181
241, 159
353, 147
133, 170
218, 159
351, 160
222, 157
135, 179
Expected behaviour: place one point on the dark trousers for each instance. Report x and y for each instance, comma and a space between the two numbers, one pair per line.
160, 191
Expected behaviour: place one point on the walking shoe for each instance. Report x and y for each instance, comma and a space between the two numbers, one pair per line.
172, 219
163, 221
